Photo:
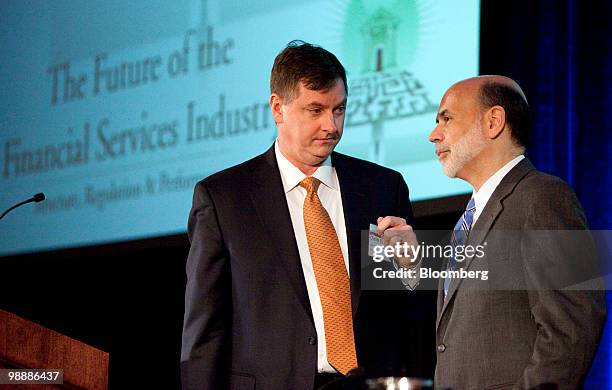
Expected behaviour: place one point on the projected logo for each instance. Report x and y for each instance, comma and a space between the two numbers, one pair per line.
379, 44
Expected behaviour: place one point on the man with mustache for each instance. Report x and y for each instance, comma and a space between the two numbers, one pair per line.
273, 297
521, 330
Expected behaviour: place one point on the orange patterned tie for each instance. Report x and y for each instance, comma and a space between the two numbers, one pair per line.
332, 280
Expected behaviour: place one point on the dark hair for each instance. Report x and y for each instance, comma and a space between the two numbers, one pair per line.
518, 116
303, 62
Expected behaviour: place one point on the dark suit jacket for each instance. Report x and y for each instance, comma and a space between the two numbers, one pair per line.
248, 322
517, 329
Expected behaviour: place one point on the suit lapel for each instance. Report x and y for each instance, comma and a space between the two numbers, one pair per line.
476, 236
483, 225
440, 301
355, 206
271, 204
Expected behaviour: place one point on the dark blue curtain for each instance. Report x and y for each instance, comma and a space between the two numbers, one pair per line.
573, 101
560, 52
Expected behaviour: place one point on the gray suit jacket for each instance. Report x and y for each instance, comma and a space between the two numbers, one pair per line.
517, 329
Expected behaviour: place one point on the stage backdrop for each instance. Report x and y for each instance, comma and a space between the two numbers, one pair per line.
115, 109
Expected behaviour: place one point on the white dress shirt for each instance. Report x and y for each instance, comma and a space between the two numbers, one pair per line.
329, 194
482, 196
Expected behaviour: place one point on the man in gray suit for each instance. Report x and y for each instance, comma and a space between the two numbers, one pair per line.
518, 328
509, 337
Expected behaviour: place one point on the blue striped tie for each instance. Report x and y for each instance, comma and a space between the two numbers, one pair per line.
459, 237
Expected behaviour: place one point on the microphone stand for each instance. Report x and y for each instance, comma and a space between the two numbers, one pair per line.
36, 198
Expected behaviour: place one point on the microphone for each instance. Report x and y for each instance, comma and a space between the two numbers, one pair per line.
36, 198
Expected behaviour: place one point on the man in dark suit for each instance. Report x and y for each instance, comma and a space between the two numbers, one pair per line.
273, 297
522, 328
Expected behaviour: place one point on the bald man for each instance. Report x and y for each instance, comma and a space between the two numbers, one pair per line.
517, 329
535, 320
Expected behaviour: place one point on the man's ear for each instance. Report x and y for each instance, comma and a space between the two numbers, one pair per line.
494, 121
276, 105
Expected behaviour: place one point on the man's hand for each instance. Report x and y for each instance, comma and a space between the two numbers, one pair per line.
395, 230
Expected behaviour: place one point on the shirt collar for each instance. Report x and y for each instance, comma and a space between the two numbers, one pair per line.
482, 196
292, 176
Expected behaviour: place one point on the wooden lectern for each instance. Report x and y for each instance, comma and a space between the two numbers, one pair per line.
24, 344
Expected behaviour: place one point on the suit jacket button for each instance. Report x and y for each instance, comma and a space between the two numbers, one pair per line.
441, 348
312, 340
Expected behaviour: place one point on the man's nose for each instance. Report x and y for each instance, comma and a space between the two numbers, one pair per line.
330, 123
436, 135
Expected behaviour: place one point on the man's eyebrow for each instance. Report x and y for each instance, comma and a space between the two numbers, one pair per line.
441, 113
314, 104
319, 104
